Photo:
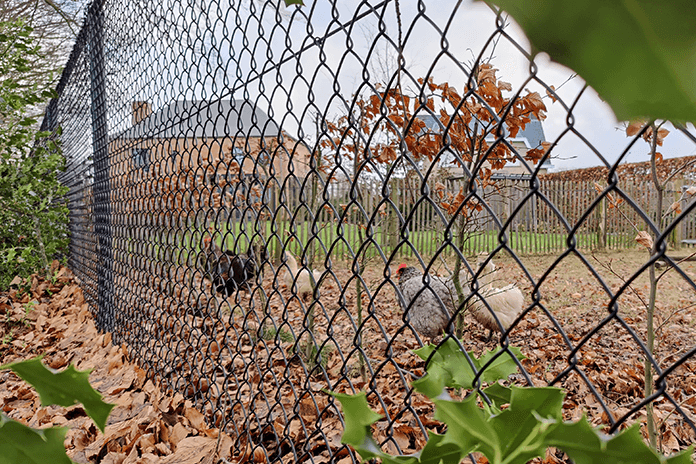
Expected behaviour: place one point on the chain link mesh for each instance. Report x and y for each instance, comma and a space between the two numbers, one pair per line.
217, 152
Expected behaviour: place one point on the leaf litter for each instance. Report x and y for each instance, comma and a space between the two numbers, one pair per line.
277, 398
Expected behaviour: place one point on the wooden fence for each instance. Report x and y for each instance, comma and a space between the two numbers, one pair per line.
532, 223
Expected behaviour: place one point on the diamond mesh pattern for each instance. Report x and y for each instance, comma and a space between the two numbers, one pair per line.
200, 133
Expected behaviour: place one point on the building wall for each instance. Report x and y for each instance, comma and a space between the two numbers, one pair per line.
169, 156
153, 178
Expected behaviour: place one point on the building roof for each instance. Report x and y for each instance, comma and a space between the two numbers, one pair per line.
532, 135
198, 118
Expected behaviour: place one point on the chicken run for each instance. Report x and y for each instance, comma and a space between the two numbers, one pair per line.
237, 347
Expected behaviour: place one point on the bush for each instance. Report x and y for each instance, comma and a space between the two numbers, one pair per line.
33, 215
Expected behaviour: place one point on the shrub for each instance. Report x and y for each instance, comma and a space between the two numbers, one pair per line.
33, 215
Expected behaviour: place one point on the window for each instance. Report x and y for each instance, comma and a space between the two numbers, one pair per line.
141, 158
238, 155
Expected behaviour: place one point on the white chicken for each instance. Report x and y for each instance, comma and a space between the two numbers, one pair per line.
507, 302
301, 279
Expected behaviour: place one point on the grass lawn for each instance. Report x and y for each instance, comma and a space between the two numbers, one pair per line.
345, 241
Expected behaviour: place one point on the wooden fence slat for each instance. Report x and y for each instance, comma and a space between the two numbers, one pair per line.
535, 229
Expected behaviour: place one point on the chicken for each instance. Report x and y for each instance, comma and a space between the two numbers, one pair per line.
428, 312
507, 302
302, 281
464, 282
227, 270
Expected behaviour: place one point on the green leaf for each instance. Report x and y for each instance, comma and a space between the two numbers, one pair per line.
639, 55
432, 384
501, 367
358, 417
683, 457
437, 451
586, 445
532, 413
64, 388
498, 394
22, 444
467, 425
450, 366
515, 435
294, 2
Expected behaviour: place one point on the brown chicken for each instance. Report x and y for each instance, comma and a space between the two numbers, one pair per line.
427, 309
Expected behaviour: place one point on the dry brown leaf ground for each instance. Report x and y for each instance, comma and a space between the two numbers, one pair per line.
146, 426
150, 425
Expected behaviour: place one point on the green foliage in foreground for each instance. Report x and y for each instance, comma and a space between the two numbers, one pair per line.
22, 444
510, 425
33, 216
639, 56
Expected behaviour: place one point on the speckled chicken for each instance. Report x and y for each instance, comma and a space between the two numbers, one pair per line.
426, 313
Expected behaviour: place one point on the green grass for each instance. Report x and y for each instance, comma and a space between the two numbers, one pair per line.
530, 242
270, 333
344, 241
340, 241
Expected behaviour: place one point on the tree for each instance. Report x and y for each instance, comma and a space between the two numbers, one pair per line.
33, 216
54, 26
388, 128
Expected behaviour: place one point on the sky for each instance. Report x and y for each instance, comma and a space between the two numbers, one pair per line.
300, 61
471, 27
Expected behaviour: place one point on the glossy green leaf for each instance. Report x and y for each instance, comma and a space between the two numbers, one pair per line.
501, 367
21, 444
498, 394
523, 425
587, 445
64, 388
515, 435
467, 425
431, 385
531, 422
639, 55
358, 418
452, 367
437, 451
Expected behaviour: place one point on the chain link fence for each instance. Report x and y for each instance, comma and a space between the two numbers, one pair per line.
245, 180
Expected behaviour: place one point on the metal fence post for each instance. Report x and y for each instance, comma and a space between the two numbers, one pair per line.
102, 208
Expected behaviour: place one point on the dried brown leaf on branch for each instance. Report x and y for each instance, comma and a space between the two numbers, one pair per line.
644, 239
635, 127
536, 154
675, 207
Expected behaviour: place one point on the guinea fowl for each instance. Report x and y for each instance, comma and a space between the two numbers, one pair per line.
227, 270
507, 302
426, 307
